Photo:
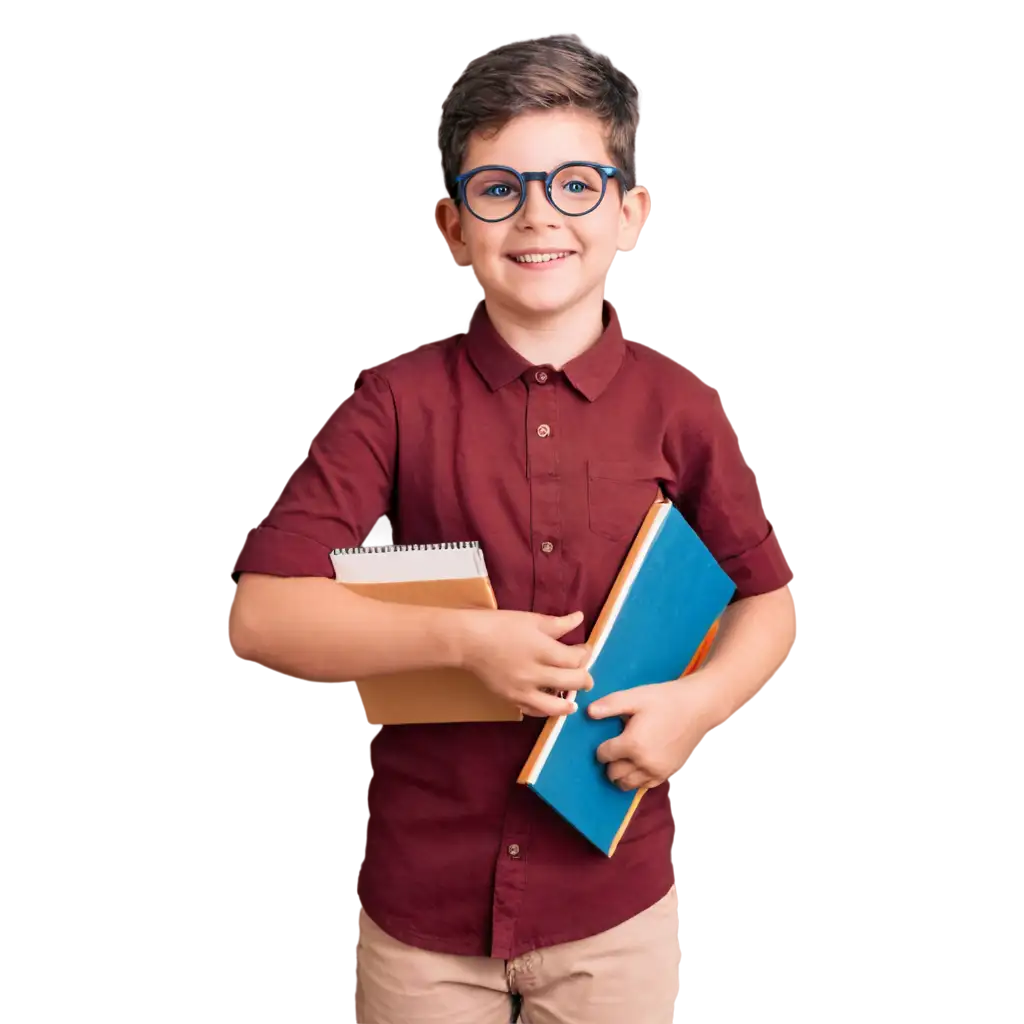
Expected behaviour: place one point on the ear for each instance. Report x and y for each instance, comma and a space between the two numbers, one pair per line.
449, 221
636, 205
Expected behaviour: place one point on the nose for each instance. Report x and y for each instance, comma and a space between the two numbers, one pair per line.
536, 209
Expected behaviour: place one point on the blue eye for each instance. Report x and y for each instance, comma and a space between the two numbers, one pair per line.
576, 187
495, 191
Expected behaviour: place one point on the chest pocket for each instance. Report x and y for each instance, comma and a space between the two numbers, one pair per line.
619, 493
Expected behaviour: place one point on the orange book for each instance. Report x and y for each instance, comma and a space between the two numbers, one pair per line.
452, 575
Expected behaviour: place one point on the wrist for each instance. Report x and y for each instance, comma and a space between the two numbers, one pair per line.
461, 638
707, 695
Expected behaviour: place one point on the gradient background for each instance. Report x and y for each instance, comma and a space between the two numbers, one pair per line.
193, 273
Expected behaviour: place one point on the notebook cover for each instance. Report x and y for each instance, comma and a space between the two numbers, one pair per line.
664, 630
432, 695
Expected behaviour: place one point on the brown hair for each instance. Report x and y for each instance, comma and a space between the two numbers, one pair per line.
538, 74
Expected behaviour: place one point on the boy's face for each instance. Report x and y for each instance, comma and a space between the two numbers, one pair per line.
541, 141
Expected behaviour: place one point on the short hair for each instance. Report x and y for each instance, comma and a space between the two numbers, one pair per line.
539, 74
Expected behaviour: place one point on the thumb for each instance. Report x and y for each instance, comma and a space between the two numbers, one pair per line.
621, 702
558, 625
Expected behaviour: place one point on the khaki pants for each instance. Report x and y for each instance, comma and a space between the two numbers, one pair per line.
626, 975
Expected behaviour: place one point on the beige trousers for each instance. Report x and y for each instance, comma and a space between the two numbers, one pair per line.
628, 974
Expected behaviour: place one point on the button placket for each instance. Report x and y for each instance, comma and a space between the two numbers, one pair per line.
545, 447
511, 870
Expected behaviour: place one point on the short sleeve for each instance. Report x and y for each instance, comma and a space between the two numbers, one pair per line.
338, 493
716, 492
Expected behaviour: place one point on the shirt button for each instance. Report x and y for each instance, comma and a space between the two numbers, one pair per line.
540, 376
547, 547
513, 850
543, 430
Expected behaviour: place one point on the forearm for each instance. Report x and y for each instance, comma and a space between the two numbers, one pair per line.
314, 628
754, 637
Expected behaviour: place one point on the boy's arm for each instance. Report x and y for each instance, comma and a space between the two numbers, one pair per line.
754, 637
716, 491
288, 612
666, 721
315, 628
290, 615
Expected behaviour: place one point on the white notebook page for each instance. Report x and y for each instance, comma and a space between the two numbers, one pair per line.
400, 563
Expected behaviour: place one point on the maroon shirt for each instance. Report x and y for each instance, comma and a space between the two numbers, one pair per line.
552, 472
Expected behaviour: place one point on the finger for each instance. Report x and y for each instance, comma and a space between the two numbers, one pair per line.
564, 655
618, 748
567, 679
561, 679
627, 775
583, 653
614, 705
623, 704
566, 694
558, 625
634, 780
532, 712
618, 770
543, 705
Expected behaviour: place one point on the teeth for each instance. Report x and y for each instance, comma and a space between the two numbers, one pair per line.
543, 257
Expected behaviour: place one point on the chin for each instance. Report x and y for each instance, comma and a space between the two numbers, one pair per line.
540, 300
546, 306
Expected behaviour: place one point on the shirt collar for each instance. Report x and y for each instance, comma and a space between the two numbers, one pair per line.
500, 364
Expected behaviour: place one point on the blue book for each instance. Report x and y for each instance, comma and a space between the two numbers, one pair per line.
657, 624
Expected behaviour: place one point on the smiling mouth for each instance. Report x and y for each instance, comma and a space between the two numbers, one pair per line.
546, 257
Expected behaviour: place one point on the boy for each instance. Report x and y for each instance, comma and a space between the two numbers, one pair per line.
545, 435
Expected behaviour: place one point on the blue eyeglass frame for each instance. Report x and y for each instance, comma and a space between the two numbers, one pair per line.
607, 171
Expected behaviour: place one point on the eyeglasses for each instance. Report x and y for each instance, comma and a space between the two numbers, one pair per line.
494, 192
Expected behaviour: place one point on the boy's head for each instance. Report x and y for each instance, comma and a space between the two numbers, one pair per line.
536, 106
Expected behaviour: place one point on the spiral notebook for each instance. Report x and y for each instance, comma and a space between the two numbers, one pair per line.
450, 575
657, 624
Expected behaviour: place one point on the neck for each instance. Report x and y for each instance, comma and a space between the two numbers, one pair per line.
551, 338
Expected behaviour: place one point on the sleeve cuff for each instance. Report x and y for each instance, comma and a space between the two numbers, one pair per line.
279, 553
758, 570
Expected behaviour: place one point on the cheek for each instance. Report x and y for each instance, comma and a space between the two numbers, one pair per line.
601, 246
485, 246
600, 232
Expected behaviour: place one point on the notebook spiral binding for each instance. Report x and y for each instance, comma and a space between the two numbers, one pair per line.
386, 548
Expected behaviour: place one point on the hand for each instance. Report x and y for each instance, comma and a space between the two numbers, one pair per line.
518, 656
664, 723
